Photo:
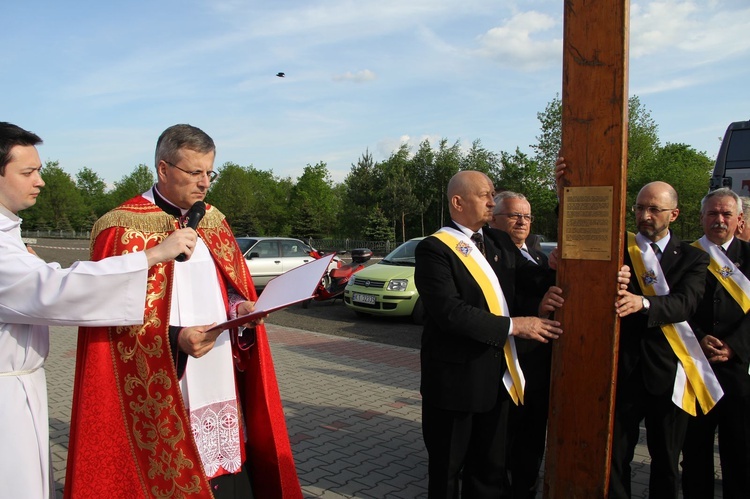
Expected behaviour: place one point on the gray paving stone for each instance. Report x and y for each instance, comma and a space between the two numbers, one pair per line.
354, 417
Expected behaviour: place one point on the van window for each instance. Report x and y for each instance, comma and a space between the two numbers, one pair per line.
738, 152
732, 168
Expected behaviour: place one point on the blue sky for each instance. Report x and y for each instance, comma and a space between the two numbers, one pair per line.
99, 81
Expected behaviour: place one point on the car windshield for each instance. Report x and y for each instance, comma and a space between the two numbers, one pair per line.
245, 243
403, 255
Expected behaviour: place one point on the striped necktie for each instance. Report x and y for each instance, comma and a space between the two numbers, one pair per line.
479, 241
657, 251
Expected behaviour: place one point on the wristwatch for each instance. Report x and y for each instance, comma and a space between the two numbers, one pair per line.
646, 303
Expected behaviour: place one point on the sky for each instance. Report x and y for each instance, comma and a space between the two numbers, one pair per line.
99, 81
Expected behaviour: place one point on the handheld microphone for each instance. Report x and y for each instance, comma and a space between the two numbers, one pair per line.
194, 216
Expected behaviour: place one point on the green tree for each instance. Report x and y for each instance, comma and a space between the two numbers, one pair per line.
447, 164
231, 193
420, 170
314, 202
689, 172
255, 202
270, 202
93, 192
378, 227
520, 173
398, 190
481, 159
137, 182
643, 145
643, 138
59, 206
549, 141
361, 190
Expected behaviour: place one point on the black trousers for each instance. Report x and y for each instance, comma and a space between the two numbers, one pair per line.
527, 425
468, 445
233, 486
731, 416
666, 425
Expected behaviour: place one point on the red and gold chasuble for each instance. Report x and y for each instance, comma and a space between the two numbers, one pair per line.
130, 433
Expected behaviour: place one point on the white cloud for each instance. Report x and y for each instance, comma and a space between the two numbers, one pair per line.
523, 42
358, 77
337, 19
688, 33
665, 85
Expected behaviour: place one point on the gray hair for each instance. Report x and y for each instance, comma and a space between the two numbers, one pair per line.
745, 206
178, 137
502, 196
722, 192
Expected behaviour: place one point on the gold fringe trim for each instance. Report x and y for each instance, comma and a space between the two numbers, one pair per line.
143, 218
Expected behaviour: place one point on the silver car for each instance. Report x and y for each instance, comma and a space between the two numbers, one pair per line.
268, 257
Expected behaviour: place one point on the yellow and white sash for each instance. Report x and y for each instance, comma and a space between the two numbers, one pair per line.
485, 276
727, 273
695, 378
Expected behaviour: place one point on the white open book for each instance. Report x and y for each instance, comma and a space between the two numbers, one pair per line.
287, 289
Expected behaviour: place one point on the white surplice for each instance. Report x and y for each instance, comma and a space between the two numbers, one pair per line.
34, 295
208, 385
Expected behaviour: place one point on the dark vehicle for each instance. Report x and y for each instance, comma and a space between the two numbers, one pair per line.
732, 167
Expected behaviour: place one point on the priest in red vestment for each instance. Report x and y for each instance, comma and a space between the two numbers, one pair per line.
167, 408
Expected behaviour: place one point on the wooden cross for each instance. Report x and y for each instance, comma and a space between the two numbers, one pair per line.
594, 144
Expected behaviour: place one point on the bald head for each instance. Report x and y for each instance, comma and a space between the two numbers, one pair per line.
662, 190
464, 181
470, 201
655, 209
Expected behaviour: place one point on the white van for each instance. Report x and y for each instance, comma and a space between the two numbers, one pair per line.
732, 167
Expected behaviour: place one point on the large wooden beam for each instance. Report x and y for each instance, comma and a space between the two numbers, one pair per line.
594, 144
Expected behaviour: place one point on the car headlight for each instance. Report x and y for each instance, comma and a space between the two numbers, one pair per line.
397, 284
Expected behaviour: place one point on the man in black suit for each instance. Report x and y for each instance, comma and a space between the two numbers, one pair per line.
527, 422
723, 327
647, 364
465, 399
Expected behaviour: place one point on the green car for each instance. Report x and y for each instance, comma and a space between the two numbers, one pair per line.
387, 288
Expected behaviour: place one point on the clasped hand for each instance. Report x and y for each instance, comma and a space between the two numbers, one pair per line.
197, 341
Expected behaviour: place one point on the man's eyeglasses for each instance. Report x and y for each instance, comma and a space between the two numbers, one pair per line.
197, 174
652, 210
517, 216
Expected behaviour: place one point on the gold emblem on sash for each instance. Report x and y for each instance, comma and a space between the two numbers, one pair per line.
649, 277
725, 272
463, 248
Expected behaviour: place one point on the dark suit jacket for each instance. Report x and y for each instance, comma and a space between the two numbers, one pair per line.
719, 315
534, 356
643, 345
462, 356
534, 245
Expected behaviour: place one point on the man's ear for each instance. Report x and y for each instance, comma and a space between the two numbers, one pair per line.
161, 169
456, 202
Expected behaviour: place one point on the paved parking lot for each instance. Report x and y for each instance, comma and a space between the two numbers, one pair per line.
352, 408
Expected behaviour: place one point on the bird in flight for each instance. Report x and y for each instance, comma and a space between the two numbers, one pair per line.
280, 75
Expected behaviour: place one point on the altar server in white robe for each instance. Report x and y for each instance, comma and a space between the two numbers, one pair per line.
35, 295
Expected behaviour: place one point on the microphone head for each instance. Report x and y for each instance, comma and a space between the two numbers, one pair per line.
199, 207
195, 214
194, 217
